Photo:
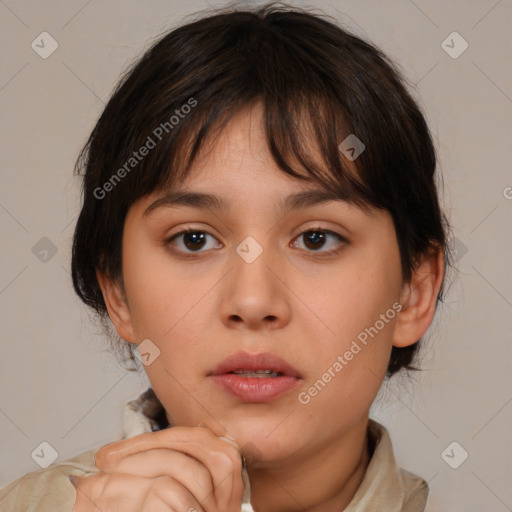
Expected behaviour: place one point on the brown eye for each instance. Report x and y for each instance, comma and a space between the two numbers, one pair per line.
314, 239
317, 239
194, 240
191, 240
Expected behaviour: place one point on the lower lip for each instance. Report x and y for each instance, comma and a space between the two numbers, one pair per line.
255, 389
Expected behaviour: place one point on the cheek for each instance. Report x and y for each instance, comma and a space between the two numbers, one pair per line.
154, 291
350, 364
357, 316
352, 300
167, 300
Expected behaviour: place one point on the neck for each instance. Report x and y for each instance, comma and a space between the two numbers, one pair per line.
323, 481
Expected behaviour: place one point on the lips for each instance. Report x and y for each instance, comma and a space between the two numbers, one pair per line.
256, 378
245, 363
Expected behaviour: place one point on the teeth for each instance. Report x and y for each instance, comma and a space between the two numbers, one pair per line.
256, 373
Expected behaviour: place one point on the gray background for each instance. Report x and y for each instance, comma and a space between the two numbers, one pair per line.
58, 383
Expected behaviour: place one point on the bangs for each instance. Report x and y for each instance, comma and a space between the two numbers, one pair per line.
303, 139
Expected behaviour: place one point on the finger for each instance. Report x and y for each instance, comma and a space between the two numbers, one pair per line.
111, 492
164, 462
171, 494
222, 459
170, 437
197, 442
132, 494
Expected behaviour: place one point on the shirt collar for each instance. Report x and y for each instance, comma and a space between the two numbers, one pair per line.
382, 482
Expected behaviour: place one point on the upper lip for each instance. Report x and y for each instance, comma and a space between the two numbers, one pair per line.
260, 361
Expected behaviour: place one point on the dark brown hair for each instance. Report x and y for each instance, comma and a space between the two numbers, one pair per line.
317, 82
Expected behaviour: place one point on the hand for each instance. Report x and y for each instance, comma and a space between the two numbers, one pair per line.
178, 469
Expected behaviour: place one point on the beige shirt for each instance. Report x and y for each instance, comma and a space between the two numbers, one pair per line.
384, 488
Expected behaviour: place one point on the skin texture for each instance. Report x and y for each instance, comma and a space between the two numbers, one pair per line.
293, 301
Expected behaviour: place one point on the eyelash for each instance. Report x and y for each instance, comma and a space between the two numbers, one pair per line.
318, 254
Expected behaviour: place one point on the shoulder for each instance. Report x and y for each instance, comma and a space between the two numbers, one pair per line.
386, 486
415, 492
49, 489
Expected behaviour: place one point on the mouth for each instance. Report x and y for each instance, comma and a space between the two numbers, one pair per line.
255, 378
260, 365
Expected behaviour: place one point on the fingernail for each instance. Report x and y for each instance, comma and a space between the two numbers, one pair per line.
231, 441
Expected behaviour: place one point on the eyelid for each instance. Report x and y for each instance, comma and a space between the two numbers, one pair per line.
316, 226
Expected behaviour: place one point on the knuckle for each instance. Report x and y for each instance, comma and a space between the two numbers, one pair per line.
108, 485
107, 456
90, 489
103, 456
199, 476
229, 459
165, 486
235, 455
162, 482
205, 431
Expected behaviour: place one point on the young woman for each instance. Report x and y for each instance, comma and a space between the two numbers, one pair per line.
261, 223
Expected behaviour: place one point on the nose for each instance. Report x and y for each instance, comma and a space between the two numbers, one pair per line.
255, 295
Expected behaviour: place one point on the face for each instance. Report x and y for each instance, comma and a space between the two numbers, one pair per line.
327, 274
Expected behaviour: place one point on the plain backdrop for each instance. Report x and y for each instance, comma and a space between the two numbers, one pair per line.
60, 386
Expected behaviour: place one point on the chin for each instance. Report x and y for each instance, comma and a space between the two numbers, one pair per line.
260, 442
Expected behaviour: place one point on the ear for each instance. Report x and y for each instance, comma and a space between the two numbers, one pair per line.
418, 299
117, 306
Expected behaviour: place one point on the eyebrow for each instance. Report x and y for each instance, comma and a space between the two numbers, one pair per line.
201, 200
